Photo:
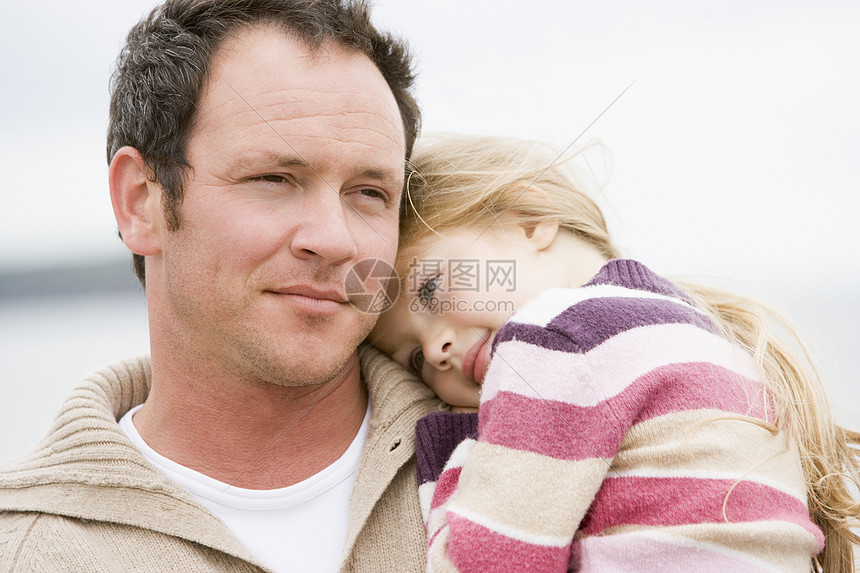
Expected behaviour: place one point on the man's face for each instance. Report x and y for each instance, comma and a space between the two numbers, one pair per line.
296, 170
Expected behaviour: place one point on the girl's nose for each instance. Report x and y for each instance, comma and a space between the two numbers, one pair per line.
438, 352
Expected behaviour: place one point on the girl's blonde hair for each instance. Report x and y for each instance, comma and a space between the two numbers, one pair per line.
468, 181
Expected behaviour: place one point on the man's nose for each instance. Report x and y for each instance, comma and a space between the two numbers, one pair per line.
326, 228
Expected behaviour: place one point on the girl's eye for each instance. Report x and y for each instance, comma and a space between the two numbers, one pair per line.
427, 290
416, 361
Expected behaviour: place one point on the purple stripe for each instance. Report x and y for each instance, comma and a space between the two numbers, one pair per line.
591, 322
633, 274
436, 437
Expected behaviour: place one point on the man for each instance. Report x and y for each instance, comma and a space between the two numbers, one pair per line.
256, 153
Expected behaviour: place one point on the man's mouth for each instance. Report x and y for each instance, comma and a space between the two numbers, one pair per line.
313, 299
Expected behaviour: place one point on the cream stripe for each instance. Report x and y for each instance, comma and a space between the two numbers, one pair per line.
532, 371
511, 531
693, 443
437, 559
460, 453
526, 491
712, 475
425, 496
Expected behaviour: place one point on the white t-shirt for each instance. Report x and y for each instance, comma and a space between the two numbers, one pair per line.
297, 528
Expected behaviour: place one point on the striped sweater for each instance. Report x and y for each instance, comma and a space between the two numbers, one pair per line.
614, 435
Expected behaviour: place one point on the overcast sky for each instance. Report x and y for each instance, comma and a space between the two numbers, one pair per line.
735, 153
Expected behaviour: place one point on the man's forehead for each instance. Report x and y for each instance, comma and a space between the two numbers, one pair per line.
267, 75
280, 59
251, 42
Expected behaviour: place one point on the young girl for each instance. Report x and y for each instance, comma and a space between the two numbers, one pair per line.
626, 422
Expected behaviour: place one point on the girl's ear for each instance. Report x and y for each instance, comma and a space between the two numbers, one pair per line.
136, 202
543, 234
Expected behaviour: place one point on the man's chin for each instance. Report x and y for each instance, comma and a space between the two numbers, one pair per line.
322, 362
315, 370
305, 354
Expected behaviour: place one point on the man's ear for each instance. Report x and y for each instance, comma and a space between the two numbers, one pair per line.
136, 202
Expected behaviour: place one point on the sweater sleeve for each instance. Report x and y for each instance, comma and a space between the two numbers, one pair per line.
437, 435
508, 502
622, 414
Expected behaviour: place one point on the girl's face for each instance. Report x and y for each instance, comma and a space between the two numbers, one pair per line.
458, 291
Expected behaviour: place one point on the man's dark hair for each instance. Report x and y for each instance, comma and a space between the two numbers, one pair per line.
165, 63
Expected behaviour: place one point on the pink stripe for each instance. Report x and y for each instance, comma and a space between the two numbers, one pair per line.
474, 548
445, 487
552, 429
566, 431
679, 501
622, 553
693, 385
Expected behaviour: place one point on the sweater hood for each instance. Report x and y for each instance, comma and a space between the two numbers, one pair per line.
86, 468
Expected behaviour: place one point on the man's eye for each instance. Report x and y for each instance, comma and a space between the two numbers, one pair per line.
416, 361
273, 182
427, 290
373, 194
368, 199
272, 178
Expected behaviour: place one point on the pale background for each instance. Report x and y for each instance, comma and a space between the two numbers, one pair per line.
736, 153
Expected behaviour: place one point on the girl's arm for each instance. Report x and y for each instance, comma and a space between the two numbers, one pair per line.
436, 437
513, 499
700, 483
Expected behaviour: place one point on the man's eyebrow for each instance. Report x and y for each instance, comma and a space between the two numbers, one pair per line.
258, 160
283, 161
386, 178
383, 176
